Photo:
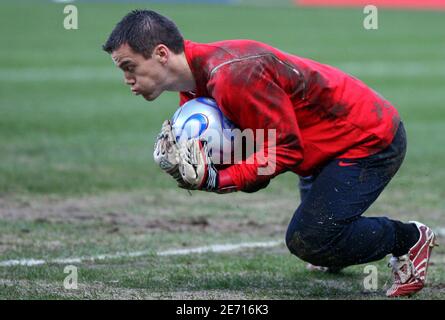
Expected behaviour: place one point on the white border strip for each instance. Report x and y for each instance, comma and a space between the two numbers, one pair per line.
217, 248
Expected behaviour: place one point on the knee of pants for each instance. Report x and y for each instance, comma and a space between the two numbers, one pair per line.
312, 243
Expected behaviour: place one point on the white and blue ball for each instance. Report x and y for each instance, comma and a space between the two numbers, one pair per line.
202, 118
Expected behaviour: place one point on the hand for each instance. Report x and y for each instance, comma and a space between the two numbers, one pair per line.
166, 151
195, 166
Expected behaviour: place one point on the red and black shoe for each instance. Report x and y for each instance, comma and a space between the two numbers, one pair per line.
410, 270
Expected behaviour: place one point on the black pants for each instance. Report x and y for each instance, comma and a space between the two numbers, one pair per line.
328, 228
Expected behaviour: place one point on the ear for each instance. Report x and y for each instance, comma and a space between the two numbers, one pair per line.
161, 53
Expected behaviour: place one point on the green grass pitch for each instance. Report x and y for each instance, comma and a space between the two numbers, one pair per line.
77, 177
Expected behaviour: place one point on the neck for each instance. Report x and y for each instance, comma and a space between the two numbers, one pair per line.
183, 77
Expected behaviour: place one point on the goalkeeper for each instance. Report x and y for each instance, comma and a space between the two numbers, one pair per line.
343, 139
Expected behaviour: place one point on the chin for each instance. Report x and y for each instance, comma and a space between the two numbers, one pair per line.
150, 97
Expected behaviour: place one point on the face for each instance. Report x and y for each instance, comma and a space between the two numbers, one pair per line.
146, 77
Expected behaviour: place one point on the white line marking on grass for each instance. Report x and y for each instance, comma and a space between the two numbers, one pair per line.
22, 262
380, 69
68, 73
217, 248
393, 69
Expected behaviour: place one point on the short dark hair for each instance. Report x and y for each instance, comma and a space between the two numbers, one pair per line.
143, 30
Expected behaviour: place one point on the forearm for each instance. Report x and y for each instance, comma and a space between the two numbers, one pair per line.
251, 176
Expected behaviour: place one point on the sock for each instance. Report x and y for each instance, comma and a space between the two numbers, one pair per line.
407, 235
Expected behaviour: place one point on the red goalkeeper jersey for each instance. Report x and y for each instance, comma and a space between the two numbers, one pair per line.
319, 112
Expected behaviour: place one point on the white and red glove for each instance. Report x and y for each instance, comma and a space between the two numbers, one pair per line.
166, 151
189, 163
198, 171
196, 167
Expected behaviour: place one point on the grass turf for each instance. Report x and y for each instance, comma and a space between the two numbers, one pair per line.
77, 178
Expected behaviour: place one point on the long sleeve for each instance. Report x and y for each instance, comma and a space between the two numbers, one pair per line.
253, 100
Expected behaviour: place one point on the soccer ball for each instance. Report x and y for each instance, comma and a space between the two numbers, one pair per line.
202, 118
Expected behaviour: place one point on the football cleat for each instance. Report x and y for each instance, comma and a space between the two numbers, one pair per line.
410, 270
